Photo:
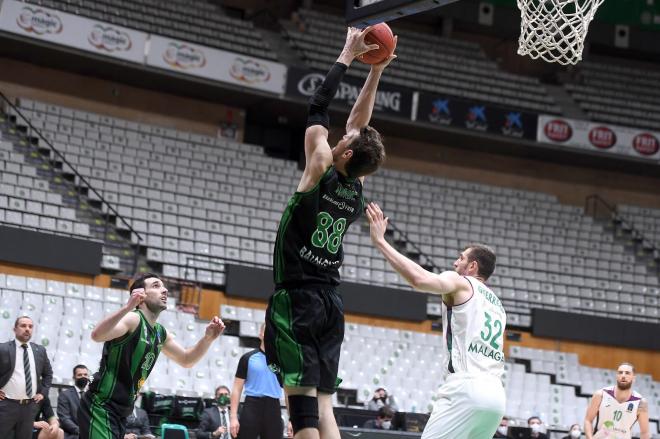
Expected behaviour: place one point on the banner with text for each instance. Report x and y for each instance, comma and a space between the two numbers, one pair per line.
72, 30
440, 110
217, 65
390, 99
605, 138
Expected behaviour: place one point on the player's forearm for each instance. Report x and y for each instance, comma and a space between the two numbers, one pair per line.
409, 270
105, 326
364, 105
195, 353
588, 430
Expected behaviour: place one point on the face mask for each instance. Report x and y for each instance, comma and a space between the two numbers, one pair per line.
536, 428
502, 430
81, 382
223, 400
576, 433
386, 425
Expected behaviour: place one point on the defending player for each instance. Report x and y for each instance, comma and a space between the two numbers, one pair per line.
133, 340
305, 319
472, 400
617, 408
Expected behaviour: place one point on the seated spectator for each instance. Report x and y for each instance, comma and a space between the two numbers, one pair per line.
574, 432
503, 429
68, 401
137, 425
215, 420
46, 425
383, 421
536, 425
381, 399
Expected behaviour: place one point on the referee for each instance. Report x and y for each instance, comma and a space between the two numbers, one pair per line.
261, 415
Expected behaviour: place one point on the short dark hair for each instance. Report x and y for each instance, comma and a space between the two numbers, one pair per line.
485, 257
22, 317
532, 418
79, 366
625, 363
574, 426
138, 281
368, 153
385, 412
219, 388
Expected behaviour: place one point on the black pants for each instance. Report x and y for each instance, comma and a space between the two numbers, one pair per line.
16, 419
261, 417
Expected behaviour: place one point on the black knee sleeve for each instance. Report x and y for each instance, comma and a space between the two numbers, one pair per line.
303, 412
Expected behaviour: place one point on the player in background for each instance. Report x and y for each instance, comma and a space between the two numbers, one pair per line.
305, 315
617, 408
472, 400
133, 339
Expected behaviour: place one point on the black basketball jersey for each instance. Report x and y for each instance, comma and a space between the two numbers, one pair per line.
308, 248
126, 364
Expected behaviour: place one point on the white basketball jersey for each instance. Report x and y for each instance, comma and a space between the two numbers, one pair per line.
473, 333
616, 419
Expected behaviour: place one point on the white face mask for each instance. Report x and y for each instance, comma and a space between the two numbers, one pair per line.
502, 430
386, 425
536, 428
576, 433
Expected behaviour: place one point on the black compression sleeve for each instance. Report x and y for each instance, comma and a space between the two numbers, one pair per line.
320, 100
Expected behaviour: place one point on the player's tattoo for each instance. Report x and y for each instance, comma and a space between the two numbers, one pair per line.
643, 406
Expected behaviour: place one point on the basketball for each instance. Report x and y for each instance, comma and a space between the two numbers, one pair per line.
383, 36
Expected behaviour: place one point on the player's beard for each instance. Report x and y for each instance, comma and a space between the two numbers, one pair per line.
156, 306
624, 386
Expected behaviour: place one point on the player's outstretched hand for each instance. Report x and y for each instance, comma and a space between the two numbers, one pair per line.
355, 44
381, 65
215, 327
137, 297
377, 222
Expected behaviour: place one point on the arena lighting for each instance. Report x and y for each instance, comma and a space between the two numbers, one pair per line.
362, 13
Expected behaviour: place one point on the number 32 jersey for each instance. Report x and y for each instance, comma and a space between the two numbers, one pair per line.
308, 248
473, 333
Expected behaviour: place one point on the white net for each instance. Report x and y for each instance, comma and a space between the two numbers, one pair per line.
554, 30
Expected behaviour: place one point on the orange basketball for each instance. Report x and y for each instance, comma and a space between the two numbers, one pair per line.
382, 35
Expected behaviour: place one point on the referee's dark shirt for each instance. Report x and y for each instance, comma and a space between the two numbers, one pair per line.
260, 381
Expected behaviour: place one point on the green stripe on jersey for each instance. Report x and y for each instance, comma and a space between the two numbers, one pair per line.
289, 351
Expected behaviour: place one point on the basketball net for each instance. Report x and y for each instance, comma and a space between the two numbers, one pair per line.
554, 30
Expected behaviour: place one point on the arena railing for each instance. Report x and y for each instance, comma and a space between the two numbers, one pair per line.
31, 133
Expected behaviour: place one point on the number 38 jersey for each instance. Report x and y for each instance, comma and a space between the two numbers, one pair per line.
308, 248
473, 333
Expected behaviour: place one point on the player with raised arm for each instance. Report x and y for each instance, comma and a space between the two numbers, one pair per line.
472, 400
617, 408
305, 319
133, 339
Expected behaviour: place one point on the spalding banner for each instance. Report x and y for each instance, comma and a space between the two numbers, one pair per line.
70, 30
594, 136
217, 65
390, 99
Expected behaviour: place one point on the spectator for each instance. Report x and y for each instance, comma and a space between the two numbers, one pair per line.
503, 429
68, 402
383, 421
536, 425
46, 424
261, 415
215, 420
574, 432
380, 399
137, 425
25, 377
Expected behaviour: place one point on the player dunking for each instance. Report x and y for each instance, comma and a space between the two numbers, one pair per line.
617, 408
305, 320
133, 340
472, 400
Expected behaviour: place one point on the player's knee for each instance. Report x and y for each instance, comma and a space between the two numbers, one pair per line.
303, 412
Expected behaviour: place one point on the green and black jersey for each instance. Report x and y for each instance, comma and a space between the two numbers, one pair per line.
126, 364
308, 249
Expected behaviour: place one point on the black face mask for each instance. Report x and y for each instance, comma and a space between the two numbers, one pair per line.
81, 382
